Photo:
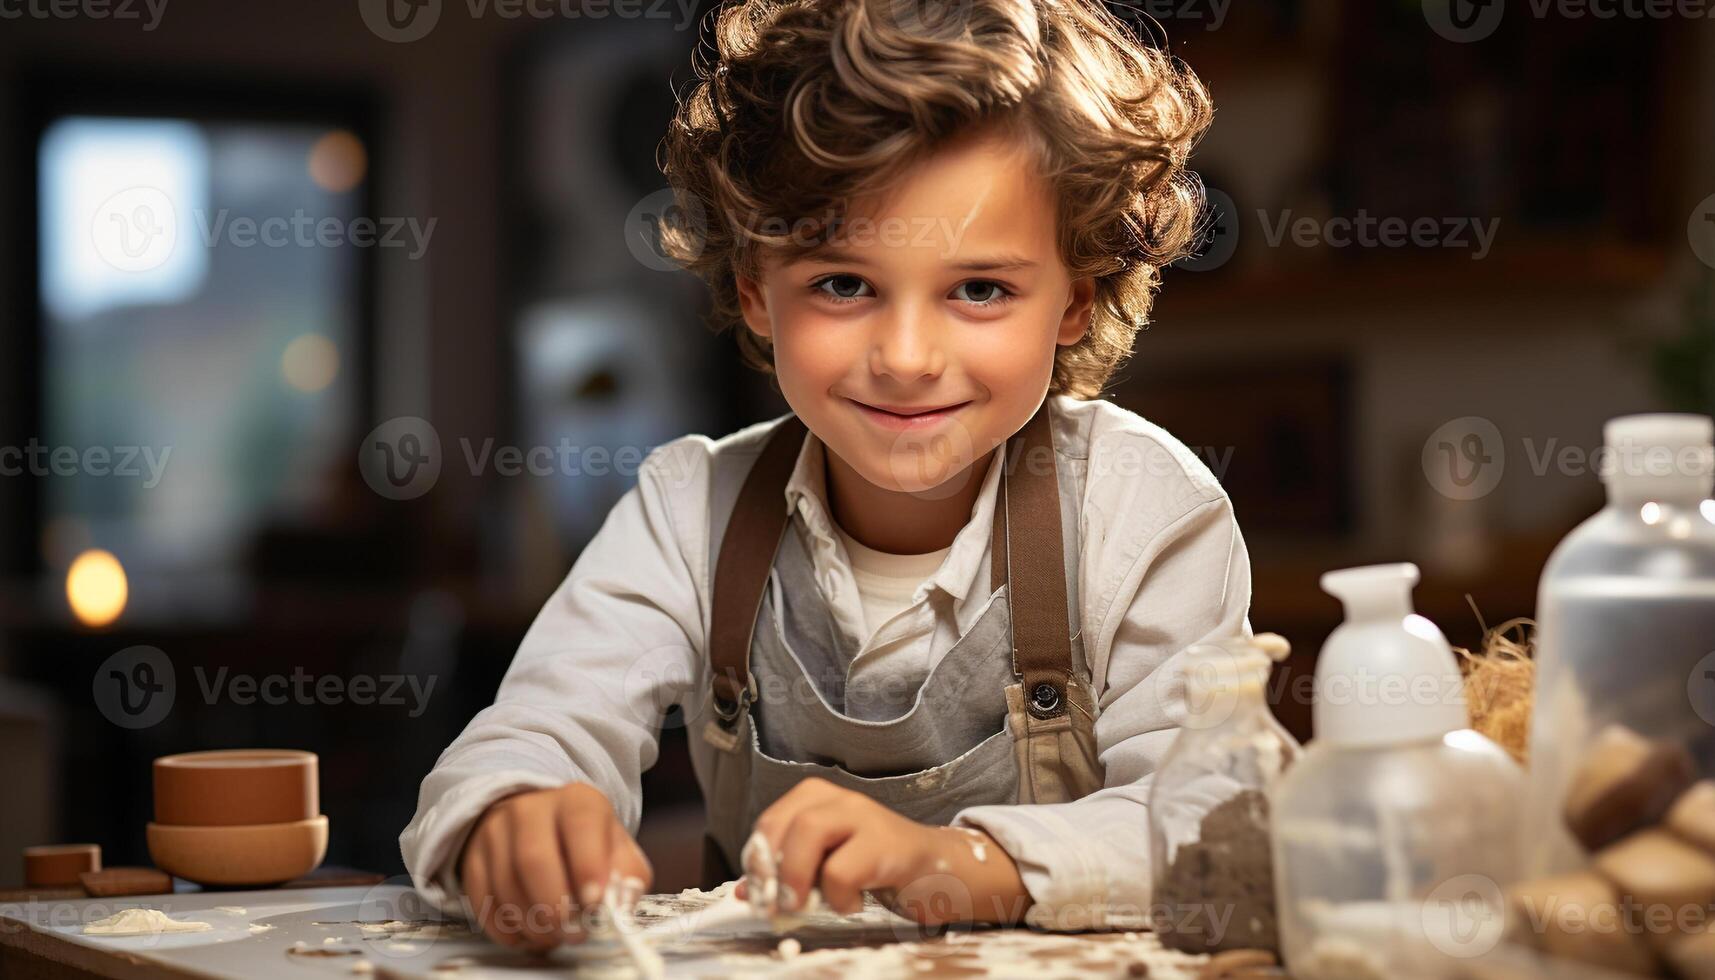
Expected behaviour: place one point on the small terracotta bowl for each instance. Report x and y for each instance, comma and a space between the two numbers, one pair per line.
257, 854
235, 787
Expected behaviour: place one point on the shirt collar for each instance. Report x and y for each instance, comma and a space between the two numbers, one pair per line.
807, 496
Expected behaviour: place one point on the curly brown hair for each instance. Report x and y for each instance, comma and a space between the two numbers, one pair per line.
803, 107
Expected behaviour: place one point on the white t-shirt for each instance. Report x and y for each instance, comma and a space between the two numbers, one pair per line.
886, 581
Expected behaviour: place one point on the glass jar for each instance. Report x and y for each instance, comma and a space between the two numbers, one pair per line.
1212, 863
1626, 640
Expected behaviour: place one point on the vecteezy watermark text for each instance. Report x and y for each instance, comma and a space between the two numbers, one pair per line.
147, 11
123, 462
404, 21
137, 687
1365, 230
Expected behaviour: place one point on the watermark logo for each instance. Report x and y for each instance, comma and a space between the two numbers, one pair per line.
1464, 21
927, 905
934, 464
1208, 682
135, 230
400, 459
1464, 916
1700, 688
1220, 234
400, 21
1464, 459
655, 681
1701, 231
401, 920
932, 18
658, 216
135, 687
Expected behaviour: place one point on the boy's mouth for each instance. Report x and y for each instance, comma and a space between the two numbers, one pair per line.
906, 416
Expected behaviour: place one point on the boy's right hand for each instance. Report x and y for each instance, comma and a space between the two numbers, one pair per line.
537, 861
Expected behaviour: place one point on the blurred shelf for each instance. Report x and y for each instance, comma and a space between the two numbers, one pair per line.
1541, 273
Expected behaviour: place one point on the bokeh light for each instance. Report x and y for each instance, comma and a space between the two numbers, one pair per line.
96, 588
338, 161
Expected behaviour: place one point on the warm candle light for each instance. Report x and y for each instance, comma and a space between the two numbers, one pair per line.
96, 588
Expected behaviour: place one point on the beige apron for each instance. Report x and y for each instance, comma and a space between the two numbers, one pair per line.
1002, 717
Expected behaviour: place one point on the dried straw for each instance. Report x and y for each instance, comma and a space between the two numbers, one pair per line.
1499, 684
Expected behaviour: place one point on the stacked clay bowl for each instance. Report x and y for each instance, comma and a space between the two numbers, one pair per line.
238, 816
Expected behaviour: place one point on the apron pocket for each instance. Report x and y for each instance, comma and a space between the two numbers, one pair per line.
984, 774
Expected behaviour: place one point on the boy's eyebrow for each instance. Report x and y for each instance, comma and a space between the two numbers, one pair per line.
832, 255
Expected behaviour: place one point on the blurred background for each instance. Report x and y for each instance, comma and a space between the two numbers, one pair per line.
240, 242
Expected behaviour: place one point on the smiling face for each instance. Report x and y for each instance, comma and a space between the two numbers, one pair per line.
924, 333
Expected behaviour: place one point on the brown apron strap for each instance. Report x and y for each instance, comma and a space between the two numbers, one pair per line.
1026, 550
746, 555
1036, 565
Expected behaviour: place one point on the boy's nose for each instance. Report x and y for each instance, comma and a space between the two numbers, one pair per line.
907, 346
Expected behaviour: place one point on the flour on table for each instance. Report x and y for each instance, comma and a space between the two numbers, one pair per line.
231, 909
141, 922
257, 927
876, 943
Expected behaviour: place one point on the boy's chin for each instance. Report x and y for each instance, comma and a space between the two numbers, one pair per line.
920, 475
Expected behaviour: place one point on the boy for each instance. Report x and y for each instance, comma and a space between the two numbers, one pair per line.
925, 628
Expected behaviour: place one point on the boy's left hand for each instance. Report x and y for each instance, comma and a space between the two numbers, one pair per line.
845, 843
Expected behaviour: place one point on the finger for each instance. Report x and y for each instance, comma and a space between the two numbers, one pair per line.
630, 863
778, 816
848, 872
541, 868
584, 836
813, 834
478, 890
506, 911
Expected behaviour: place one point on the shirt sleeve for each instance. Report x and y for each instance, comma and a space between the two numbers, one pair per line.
1189, 585
583, 701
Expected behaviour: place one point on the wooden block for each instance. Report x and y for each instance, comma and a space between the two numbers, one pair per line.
58, 865
1659, 872
1578, 916
1624, 782
126, 881
1692, 816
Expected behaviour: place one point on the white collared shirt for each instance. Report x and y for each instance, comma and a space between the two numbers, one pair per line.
1162, 568
886, 583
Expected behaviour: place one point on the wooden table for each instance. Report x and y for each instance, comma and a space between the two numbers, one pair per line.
318, 932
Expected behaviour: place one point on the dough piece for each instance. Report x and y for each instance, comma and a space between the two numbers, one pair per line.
141, 922
1625, 782
1577, 916
1692, 816
1660, 872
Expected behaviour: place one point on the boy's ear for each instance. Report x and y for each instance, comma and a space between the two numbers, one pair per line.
754, 306
1079, 305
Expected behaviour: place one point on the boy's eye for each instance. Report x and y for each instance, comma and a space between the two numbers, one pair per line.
982, 292
846, 288
841, 288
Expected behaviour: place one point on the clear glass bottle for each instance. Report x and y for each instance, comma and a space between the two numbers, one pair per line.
1212, 863
1626, 614
1389, 842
